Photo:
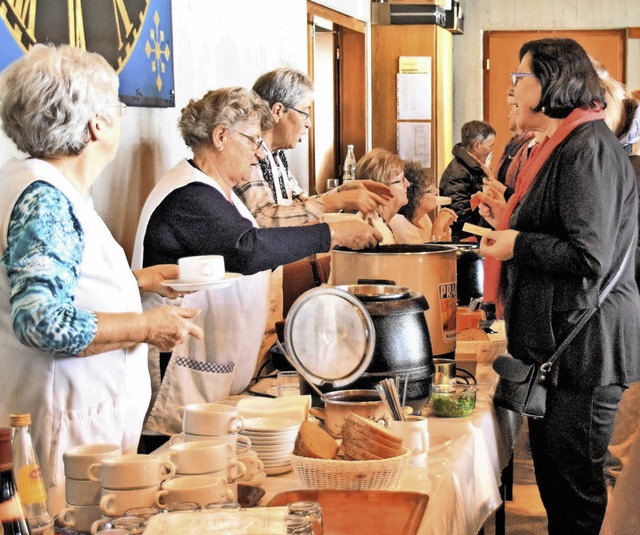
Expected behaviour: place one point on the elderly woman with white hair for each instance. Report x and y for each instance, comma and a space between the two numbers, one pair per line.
73, 332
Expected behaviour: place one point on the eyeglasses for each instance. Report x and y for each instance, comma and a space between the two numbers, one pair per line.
401, 181
517, 75
307, 116
122, 108
257, 141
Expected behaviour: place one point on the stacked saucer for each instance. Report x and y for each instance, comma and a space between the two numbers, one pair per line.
272, 439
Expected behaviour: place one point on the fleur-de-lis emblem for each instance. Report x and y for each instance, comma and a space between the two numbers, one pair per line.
159, 49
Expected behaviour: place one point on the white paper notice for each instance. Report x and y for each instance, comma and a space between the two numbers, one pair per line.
414, 96
414, 142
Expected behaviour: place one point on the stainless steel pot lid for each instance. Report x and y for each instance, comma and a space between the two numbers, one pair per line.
377, 291
330, 335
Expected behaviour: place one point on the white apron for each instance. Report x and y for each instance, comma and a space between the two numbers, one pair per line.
233, 319
73, 400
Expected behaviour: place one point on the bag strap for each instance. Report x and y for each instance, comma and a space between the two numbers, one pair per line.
546, 366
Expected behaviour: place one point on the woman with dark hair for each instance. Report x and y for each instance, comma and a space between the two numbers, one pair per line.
412, 223
563, 237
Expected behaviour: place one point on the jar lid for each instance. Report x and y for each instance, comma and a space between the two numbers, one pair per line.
330, 336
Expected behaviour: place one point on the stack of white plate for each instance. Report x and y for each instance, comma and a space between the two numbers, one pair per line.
272, 439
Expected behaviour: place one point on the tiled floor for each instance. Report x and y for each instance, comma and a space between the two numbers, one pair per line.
525, 513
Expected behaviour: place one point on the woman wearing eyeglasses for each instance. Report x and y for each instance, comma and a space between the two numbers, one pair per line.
412, 223
194, 211
73, 334
563, 237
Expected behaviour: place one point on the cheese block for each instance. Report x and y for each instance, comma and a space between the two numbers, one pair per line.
313, 441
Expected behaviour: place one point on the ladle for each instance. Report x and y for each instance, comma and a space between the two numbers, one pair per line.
302, 373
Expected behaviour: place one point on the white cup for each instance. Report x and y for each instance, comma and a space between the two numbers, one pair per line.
201, 456
133, 471
79, 517
202, 489
240, 442
82, 491
78, 458
253, 465
415, 436
115, 502
210, 419
201, 268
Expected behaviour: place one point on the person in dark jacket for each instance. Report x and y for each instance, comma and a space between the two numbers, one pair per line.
563, 237
464, 175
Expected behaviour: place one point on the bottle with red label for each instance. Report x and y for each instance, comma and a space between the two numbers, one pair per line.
12, 521
28, 476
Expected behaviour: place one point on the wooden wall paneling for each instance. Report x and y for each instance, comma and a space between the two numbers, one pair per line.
501, 49
310, 73
352, 93
389, 42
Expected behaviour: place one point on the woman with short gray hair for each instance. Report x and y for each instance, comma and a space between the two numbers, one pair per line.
66, 290
193, 210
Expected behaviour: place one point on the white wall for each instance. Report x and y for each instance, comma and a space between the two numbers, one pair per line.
481, 15
215, 44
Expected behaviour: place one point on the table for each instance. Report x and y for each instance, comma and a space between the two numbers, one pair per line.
463, 469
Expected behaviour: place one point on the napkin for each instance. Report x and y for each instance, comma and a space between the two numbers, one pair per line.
290, 407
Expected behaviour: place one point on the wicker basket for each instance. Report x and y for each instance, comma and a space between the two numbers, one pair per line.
349, 475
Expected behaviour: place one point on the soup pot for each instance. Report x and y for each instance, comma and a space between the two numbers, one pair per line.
429, 269
358, 335
470, 272
338, 405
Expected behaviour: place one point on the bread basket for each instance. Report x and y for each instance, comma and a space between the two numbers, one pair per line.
349, 475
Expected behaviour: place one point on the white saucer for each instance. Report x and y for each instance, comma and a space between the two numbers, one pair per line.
274, 471
193, 286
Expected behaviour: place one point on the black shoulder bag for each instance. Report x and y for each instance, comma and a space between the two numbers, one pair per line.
522, 387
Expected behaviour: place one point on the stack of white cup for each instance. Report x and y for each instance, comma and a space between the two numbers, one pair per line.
218, 423
83, 494
130, 481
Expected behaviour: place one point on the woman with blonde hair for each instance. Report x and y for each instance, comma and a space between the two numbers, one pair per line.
386, 167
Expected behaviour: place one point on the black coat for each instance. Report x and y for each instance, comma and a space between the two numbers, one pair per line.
576, 223
461, 179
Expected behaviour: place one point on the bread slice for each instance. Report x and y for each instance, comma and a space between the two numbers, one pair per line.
472, 334
313, 441
364, 440
370, 427
378, 448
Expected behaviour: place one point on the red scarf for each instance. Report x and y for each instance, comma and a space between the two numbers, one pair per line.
539, 156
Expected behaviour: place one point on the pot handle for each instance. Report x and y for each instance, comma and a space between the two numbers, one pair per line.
376, 281
319, 413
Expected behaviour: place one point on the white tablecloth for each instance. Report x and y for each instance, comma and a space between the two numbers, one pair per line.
463, 468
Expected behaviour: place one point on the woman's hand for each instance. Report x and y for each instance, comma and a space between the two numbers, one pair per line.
149, 279
442, 224
492, 205
354, 234
499, 244
169, 326
358, 199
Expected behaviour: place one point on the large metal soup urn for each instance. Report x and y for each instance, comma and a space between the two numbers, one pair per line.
357, 335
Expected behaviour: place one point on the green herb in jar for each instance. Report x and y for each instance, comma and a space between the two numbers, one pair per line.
454, 405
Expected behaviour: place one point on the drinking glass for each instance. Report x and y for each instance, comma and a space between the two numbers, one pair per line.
288, 384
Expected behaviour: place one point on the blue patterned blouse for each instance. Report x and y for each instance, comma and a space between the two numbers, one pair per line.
43, 260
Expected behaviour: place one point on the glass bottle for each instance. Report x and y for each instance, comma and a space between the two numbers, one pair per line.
28, 476
311, 511
349, 168
12, 521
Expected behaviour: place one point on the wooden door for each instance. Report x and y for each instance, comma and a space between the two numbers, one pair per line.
501, 51
337, 66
